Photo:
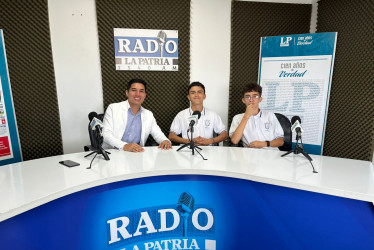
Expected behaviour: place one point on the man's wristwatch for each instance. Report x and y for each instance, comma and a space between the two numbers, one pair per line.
267, 144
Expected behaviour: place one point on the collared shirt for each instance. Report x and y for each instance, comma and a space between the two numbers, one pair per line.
208, 123
133, 130
262, 127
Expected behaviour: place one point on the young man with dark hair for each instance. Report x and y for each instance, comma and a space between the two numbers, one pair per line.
256, 128
208, 123
127, 124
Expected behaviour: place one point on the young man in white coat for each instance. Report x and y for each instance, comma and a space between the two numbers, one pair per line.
127, 124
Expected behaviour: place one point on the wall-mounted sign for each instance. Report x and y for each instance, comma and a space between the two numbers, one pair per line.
10, 151
295, 74
146, 50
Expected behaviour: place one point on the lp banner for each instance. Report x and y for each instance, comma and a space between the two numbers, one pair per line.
10, 151
146, 50
295, 72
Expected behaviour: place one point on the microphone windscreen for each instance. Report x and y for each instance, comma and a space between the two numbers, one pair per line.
95, 122
294, 119
91, 115
197, 112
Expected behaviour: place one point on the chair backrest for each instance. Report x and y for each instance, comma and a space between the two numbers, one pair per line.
286, 125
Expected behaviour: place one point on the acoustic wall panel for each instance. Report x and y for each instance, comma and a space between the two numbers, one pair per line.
350, 119
249, 22
166, 91
31, 73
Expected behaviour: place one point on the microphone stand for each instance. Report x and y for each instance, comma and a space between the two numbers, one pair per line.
191, 144
99, 150
299, 149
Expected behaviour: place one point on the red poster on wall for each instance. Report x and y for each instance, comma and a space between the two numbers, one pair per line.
4, 146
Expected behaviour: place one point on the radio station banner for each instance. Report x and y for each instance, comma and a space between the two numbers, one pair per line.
10, 151
146, 49
295, 73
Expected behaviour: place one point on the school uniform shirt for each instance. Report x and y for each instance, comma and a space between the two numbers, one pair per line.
262, 127
208, 123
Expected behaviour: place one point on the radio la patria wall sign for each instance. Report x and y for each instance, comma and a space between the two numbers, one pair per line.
146, 50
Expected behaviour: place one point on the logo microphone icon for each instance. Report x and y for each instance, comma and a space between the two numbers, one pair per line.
185, 206
161, 38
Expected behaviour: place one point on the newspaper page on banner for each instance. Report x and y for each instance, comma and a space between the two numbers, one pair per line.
9, 143
146, 49
295, 74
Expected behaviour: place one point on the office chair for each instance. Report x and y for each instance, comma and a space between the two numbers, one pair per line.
286, 126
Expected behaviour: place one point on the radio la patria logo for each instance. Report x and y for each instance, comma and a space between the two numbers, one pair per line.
184, 226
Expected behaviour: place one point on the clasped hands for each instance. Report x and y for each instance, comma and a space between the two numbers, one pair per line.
201, 141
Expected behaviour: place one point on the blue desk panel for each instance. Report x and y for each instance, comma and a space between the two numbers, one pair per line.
228, 213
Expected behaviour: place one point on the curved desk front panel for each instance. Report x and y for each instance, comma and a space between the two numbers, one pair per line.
173, 200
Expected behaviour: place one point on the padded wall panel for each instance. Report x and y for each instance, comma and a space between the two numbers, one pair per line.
166, 91
31, 73
350, 119
249, 22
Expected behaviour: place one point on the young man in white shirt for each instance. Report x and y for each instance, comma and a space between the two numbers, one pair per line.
127, 124
208, 123
256, 128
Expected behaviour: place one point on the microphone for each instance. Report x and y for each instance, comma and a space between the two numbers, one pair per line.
193, 119
296, 126
161, 38
96, 137
96, 124
185, 207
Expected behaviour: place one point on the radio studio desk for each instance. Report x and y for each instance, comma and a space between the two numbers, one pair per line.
239, 198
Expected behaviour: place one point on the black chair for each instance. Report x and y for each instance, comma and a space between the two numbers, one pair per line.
286, 126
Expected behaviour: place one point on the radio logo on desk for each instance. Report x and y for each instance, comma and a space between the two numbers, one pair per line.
183, 226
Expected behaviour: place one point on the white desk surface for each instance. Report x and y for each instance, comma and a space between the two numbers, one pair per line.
29, 184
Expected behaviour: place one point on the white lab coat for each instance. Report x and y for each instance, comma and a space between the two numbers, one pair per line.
115, 121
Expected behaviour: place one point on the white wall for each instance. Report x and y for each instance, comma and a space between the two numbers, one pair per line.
210, 51
75, 49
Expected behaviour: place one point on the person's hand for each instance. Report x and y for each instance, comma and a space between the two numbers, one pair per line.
251, 110
257, 144
201, 141
165, 145
133, 147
